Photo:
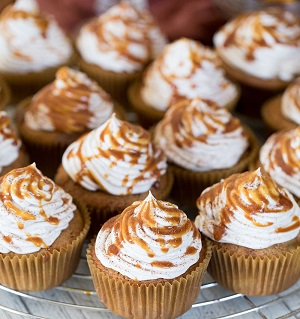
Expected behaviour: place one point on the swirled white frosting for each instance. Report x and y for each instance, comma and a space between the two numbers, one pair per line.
30, 41
187, 69
199, 136
9, 142
249, 210
117, 157
72, 103
280, 157
123, 39
33, 211
290, 102
151, 239
265, 44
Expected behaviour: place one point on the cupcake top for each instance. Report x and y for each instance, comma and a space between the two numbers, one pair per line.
9, 142
27, 37
290, 102
187, 69
150, 239
73, 103
280, 157
265, 44
199, 136
123, 39
33, 211
249, 210
117, 157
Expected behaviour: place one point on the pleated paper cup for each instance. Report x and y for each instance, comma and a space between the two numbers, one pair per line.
149, 299
47, 268
266, 273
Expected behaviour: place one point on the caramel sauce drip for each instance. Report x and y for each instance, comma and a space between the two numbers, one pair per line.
7, 239
257, 189
37, 241
6, 130
162, 264
295, 225
116, 152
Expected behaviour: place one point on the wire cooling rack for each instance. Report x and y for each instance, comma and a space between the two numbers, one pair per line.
76, 298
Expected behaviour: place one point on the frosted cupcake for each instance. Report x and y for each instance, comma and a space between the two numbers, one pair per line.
32, 47
112, 166
254, 227
42, 231
280, 158
151, 250
261, 50
185, 69
12, 153
203, 143
115, 47
282, 112
60, 113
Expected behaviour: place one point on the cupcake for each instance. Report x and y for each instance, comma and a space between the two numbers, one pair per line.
115, 47
280, 158
42, 231
261, 50
185, 69
203, 143
112, 166
12, 152
32, 47
5, 94
149, 261
254, 227
60, 113
282, 112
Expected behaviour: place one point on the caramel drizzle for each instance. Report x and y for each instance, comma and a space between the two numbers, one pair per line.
6, 130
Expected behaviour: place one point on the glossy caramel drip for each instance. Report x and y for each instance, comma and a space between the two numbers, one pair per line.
37, 241
6, 130
7, 239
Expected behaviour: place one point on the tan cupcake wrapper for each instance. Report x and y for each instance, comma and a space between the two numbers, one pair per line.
45, 269
115, 84
188, 185
254, 276
5, 94
150, 299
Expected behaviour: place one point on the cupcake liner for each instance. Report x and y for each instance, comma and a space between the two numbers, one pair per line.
115, 84
188, 185
5, 94
101, 205
255, 275
149, 299
47, 268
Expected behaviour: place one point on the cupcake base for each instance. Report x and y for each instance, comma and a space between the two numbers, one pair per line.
22, 161
5, 94
49, 267
258, 272
150, 299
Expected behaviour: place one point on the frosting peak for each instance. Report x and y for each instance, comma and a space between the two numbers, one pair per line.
248, 209
151, 239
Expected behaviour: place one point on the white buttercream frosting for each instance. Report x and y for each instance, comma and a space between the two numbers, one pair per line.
30, 41
280, 157
290, 102
9, 142
249, 210
265, 44
187, 69
199, 136
117, 157
151, 239
123, 39
72, 103
33, 211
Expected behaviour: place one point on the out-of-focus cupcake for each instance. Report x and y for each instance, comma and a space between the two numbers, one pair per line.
115, 47
12, 152
203, 143
254, 227
185, 69
280, 158
282, 112
261, 50
133, 269
113, 166
5, 94
59, 114
32, 47
42, 231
